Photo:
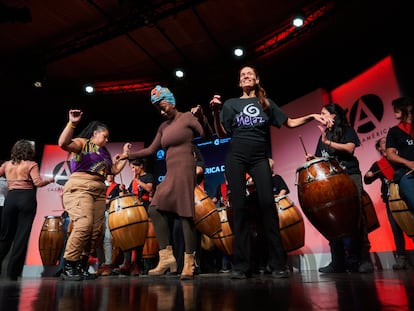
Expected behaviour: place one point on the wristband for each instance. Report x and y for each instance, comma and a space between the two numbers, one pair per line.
71, 125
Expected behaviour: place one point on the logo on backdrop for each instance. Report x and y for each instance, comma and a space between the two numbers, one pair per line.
366, 115
61, 172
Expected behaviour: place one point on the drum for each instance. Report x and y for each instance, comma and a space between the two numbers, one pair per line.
206, 242
151, 246
225, 238
370, 213
328, 197
51, 240
206, 218
128, 221
402, 215
292, 227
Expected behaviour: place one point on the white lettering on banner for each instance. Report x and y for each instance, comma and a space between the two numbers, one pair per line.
214, 169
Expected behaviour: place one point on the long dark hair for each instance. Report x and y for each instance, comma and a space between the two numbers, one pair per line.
337, 130
87, 132
259, 90
405, 105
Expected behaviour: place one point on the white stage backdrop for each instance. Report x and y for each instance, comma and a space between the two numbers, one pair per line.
368, 98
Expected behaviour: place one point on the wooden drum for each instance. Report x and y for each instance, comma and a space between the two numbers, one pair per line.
328, 197
206, 218
225, 238
292, 227
402, 215
151, 246
370, 213
51, 240
128, 221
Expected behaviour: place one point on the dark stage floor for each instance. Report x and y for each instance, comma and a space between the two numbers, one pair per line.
309, 290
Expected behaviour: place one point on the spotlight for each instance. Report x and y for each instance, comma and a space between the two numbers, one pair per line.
238, 52
179, 73
298, 20
89, 89
38, 84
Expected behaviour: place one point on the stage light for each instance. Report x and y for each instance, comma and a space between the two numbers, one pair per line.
238, 52
298, 20
89, 89
179, 73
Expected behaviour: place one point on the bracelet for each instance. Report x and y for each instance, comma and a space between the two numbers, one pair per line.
71, 125
330, 143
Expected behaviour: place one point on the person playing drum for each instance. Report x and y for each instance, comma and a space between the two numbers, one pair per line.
339, 140
383, 170
400, 149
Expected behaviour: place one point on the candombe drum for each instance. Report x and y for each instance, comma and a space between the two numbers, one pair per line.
151, 246
225, 238
206, 218
370, 213
51, 240
292, 227
328, 197
402, 215
127, 221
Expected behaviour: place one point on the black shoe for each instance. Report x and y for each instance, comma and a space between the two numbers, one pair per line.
83, 268
366, 267
280, 274
239, 275
71, 271
58, 273
331, 269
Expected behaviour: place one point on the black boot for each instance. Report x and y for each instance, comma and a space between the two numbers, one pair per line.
83, 267
71, 271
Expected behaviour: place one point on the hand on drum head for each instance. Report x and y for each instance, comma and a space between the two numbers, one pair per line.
309, 157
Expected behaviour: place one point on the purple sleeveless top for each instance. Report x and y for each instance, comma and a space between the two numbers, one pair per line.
92, 159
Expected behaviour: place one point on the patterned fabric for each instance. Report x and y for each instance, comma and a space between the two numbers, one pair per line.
92, 159
160, 93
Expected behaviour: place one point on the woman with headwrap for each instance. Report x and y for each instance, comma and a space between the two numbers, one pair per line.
175, 194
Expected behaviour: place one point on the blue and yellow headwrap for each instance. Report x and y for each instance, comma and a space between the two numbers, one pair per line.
160, 93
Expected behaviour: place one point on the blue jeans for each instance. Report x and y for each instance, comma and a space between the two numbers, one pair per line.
407, 190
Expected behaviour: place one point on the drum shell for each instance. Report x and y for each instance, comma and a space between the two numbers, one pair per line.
151, 246
51, 240
225, 238
328, 197
402, 215
206, 217
372, 221
127, 222
291, 224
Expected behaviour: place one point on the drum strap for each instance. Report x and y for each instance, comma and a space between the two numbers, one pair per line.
386, 168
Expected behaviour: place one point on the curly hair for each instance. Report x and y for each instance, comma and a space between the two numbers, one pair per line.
22, 150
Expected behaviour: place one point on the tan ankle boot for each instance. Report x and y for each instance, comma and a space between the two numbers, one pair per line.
167, 261
189, 266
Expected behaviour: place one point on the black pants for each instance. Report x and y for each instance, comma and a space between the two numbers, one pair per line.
253, 158
17, 219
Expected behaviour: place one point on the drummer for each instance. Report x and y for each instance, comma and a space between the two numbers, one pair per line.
279, 185
339, 140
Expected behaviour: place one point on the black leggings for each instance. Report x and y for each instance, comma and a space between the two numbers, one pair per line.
253, 158
160, 221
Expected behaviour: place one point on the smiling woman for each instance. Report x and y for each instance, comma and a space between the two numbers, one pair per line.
247, 120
